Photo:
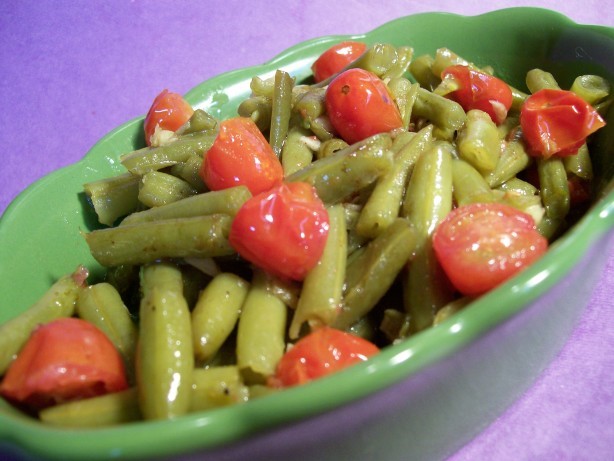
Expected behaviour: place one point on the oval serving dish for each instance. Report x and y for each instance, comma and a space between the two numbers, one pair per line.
421, 399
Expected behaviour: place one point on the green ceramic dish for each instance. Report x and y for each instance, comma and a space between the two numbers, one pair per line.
420, 399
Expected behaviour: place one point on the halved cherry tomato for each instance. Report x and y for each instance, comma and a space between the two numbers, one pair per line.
478, 90
282, 231
557, 122
320, 353
481, 245
240, 155
64, 360
336, 58
359, 105
168, 112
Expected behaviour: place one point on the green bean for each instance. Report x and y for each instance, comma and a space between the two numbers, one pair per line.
148, 159
296, 153
441, 111
199, 121
106, 410
400, 139
257, 391
260, 334
58, 301
512, 161
165, 361
322, 290
113, 197
450, 309
401, 64
159, 188
373, 271
469, 186
225, 201
352, 213
262, 86
286, 290
217, 387
518, 98
421, 69
550, 227
428, 198
522, 195
478, 141
322, 128
444, 58
281, 110
189, 172
384, 203
426, 288
199, 237
194, 278
509, 128
530, 204
404, 93
377, 59
591, 88
259, 109
216, 313
538, 79
518, 186
365, 328
579, 164
101, 305
603, 107
394, 325
310, 105
330, 147
554, 188
349, 170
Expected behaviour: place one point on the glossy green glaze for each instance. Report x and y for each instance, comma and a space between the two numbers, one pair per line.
526, 38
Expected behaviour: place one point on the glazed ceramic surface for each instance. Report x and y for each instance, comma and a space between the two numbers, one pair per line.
420, 399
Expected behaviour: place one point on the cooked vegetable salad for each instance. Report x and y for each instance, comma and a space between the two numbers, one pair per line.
326, 220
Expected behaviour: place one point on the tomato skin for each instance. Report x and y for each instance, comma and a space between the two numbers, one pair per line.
359, 105
478, 90
64, 360
320, 353
336, 58
169, 110
557, 122
282, 231
240, 155
481, 245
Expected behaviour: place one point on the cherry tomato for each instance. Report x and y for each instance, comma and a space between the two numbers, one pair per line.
168, 111
478, 90
557, 122
320, 353
66, 359
336, 58
579, 191
282, 231
481, 245
359, 105
240, 155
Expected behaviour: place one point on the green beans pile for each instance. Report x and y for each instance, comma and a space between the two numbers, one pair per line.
210, 328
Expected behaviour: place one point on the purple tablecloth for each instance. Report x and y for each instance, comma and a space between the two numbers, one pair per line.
72, 71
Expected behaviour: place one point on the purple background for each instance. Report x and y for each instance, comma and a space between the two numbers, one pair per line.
72, 71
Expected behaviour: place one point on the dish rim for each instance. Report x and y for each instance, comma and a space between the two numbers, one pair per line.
394, 363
